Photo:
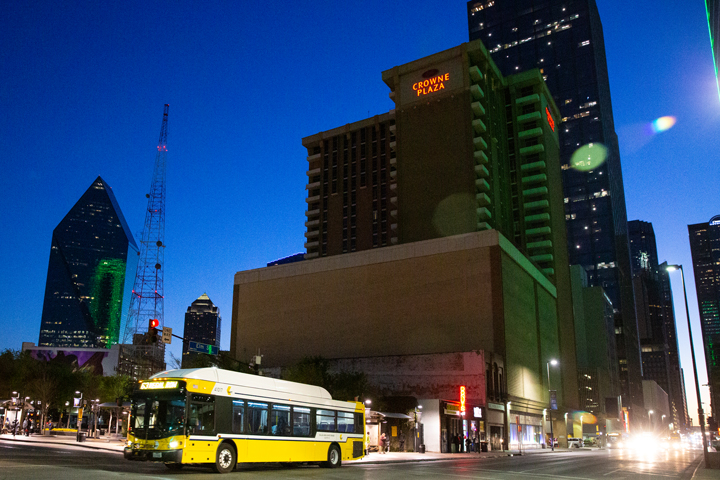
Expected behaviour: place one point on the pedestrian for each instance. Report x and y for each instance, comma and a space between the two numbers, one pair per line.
25, 427
402, 442
15, 426
467, 443
383, 439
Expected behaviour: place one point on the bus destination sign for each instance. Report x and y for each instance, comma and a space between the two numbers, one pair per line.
159, 385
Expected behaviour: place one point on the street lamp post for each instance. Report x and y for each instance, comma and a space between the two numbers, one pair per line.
79, 420
416, 434
701, 414
552, 434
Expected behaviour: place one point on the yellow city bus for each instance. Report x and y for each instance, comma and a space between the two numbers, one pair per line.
221, 418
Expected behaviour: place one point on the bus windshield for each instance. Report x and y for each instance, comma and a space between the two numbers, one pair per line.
158, 415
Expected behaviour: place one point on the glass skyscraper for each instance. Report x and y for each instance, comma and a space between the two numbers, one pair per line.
705, 249
564, 39
202, 324
86, 281
656, 319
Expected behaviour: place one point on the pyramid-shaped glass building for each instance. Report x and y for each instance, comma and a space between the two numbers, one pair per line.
92, 262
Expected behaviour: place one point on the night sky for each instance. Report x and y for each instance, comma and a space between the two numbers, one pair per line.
82, 87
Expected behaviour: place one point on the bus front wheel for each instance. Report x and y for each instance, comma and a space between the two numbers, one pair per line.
225, 459
334, 458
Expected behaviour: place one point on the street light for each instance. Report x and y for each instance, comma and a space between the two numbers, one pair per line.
416, 434
650, 412
552, 362
701, 414
79, 420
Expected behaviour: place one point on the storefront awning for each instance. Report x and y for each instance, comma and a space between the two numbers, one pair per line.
393, 415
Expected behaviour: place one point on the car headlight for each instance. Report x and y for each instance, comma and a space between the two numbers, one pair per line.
129, 443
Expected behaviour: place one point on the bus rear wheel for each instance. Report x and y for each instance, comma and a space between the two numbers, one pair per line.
225, 459
334, 458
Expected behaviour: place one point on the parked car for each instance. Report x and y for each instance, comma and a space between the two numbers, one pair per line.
574, 442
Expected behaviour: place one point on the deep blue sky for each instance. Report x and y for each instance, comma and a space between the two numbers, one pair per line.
82, 85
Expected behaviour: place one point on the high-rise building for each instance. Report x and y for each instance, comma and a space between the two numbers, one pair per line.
656, 319
705, 249
564, 39
202, 324
712, 9
465, 150
85, 293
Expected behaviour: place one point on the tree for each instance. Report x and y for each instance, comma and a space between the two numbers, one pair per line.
315, 371
115, 387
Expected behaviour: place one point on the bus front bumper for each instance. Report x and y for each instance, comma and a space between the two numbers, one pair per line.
167, 456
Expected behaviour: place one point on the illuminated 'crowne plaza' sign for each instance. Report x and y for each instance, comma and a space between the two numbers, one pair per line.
430, 85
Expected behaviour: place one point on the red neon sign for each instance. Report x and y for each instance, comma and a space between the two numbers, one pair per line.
462, 399
550, 120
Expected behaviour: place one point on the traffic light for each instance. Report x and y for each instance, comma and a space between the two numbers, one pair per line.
153, 332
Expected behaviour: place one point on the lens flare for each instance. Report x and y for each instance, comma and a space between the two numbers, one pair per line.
663, 124
589, 157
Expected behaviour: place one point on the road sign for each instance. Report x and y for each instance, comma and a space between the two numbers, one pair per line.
553, 399
167, 335
203, 348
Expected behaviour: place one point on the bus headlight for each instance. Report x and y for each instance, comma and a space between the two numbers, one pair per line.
174, 444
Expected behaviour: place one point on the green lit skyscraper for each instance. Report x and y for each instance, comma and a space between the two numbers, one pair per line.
705, 249
564, 40
86, 281
712, 8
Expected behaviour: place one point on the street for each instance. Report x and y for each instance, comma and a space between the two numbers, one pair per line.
21, 461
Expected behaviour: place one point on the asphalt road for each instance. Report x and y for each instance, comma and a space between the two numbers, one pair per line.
34, 462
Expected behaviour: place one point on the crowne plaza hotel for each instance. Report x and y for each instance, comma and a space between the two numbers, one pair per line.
436, 254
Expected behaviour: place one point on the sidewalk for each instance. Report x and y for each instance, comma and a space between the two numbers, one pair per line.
102, 443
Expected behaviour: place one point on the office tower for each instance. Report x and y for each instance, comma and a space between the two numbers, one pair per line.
92, 248
465, 150
712, 9
202, 324
705, 249
564, 39
656, 319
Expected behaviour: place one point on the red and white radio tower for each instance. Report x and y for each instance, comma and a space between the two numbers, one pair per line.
147, 301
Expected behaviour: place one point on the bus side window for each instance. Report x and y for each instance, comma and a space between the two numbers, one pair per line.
280, 420
345, 422
301, 422
325, 420
257, 417
238, 416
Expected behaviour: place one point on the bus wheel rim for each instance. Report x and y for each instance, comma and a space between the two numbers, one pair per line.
225, 458
333, 456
